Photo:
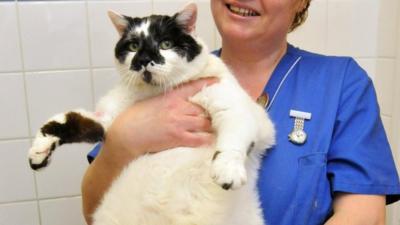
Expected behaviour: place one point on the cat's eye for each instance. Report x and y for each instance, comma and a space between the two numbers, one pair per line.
165, 45
134, 46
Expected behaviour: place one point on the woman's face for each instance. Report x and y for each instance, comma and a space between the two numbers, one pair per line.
249, 20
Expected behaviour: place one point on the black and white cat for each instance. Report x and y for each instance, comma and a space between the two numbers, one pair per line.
180, 186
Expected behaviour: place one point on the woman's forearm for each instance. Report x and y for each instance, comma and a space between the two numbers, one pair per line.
98, 178
357, 209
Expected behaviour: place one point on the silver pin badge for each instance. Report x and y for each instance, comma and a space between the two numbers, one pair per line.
298, 136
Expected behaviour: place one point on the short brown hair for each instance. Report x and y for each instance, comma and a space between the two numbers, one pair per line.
300, 16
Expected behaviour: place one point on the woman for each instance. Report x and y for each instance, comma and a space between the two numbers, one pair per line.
335, 168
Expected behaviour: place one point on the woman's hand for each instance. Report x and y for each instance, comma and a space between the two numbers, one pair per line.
162, 122
149, 126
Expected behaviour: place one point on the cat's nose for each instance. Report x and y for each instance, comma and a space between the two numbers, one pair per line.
141, 61
145, 62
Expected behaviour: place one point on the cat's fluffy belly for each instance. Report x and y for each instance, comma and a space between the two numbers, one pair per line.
174, 187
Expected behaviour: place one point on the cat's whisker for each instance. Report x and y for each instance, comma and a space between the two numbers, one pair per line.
135, 79
132, 78
166, 86
126, 78
122, 69
124, 74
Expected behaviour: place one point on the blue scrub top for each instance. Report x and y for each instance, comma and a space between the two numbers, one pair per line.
346, 148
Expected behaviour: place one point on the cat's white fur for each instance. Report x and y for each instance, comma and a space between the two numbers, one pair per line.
182, 186
175, 187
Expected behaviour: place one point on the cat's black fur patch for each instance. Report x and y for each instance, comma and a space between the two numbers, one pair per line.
250, 148
147, 77
227, 186
41, 165
53, 146
161, 28
45, 161
75, 129
215, 155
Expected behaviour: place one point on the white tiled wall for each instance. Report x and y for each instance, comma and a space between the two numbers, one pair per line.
61, 211
58, 55
54, 35
19, 213
52, 92
10, 57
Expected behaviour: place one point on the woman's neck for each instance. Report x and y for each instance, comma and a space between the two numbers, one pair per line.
253, 66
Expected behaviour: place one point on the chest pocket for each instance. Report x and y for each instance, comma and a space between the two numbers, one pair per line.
313, 197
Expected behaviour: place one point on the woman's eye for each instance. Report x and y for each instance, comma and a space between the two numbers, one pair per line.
165, 45
134, 46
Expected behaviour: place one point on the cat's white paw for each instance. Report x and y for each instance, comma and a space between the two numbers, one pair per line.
228, 170
40, 152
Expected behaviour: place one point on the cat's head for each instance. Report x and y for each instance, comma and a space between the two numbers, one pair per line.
158, 50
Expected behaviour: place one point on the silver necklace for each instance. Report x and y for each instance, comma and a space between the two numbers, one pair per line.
281, 83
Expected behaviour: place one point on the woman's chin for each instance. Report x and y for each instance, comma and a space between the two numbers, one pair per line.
238, 35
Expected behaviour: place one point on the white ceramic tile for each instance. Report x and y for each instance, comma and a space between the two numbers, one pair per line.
103, 34
218, 40
103, 81
369, 65
382, 71
205, 27
312, 34
387, 123
19, 214
64, 174
392, 215
13, 115
10, 55
388, 26
67, 211
50, 93
54, 35
353, 27
17, 181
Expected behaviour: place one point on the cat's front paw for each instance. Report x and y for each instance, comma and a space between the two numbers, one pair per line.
228, 169
40, 152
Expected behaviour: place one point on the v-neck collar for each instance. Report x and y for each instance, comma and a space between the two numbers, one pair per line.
281, 71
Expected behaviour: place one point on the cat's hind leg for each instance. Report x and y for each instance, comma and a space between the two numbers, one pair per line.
71, 127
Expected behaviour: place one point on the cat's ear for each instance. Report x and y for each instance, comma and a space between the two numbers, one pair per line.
120, 22
187, 17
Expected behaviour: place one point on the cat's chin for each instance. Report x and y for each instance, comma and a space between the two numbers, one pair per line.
151, 84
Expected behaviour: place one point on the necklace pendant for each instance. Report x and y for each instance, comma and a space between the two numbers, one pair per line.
263, 100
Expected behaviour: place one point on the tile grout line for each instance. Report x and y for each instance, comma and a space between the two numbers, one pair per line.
89, 41
23, 66
17, 6
15, 139
59, 70
60, 197
326, 25
40, 199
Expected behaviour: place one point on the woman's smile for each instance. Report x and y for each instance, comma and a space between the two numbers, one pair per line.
242, 11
